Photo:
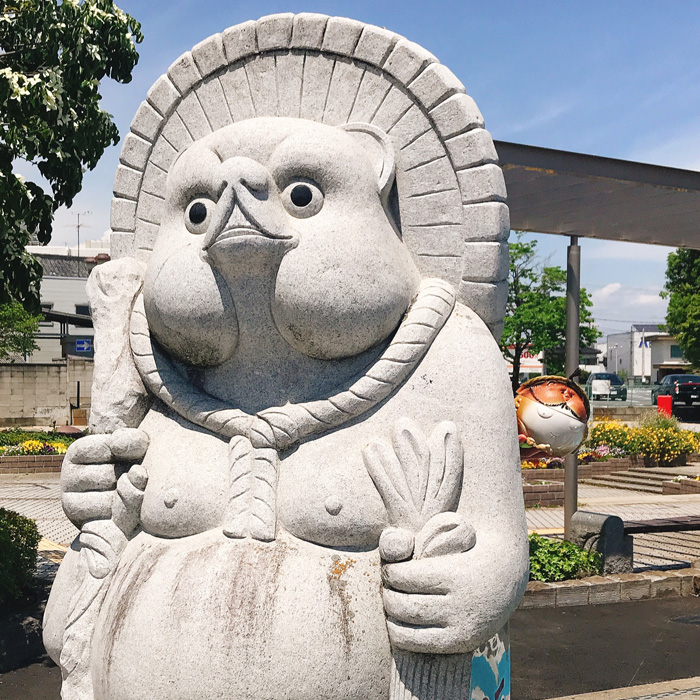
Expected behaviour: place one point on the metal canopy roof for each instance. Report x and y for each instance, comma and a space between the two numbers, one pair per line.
560, 192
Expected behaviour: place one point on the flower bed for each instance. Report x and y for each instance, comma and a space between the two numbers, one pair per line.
657, 439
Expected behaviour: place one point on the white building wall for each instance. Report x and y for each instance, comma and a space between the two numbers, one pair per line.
64, 293
631, 352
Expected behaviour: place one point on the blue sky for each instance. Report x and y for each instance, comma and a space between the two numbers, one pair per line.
618, 79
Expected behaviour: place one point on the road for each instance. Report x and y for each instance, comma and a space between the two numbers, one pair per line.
636, 396
641, 396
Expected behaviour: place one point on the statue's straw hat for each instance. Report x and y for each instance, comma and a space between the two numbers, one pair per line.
451, 192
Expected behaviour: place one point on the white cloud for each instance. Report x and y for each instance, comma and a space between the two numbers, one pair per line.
616, 307
601, 295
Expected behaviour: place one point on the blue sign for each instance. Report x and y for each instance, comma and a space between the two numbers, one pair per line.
490, 679
83, 344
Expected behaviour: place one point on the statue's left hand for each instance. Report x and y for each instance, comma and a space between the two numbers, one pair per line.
425, 596
424, 601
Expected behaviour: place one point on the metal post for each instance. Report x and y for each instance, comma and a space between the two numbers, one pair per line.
573, 303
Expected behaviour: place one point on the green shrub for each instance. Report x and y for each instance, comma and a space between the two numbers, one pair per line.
558, 560
19, 541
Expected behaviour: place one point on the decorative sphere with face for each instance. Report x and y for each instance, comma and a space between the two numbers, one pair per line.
552, 416
285, 214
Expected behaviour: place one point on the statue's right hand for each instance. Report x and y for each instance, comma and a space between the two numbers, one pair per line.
91, 468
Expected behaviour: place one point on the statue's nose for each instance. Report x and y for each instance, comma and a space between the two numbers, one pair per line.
249, 200
245, 175
243, 181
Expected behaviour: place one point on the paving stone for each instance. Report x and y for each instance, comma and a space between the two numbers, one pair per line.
488, 300
127, 182
240, 41
604, 589
634, 587
571, 593
539, 595
485, 261
664, 586
489, 221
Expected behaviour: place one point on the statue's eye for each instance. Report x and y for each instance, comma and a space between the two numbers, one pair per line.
301, 195
198, 215
302, 199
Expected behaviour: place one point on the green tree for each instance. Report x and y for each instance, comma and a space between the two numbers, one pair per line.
536, 310
52, 57
682, 289
18, 330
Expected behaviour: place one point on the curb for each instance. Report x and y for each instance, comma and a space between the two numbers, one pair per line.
617, 588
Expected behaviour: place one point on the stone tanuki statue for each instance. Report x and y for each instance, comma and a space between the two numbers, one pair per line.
303, 478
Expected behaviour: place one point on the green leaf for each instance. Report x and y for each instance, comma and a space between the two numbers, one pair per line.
536, 310
52, 59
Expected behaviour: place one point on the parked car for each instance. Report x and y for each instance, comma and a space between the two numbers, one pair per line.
684, 388
605, 385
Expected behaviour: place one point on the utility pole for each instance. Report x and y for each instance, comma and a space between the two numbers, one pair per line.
78, 226
573, 312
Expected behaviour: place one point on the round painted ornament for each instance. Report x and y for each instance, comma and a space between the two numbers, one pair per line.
553, 415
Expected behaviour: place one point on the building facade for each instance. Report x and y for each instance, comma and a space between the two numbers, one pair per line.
630, 352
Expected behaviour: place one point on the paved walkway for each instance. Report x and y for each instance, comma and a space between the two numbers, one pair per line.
653, 551
38, 496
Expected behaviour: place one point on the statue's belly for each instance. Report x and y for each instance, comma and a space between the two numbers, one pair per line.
206, 617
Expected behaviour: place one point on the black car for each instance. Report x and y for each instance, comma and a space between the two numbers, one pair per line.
618, 390
683, 388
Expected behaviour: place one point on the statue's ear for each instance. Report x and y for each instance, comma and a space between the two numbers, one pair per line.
380, 150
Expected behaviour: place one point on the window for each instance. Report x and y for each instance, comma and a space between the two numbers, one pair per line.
676, 352
46, 306
82, 309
